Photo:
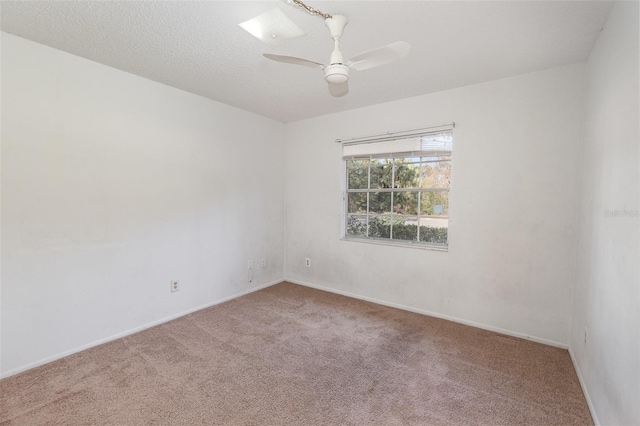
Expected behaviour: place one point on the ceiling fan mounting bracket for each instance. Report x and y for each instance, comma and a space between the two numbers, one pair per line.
336, 25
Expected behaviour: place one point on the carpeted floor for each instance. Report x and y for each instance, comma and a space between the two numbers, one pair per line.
293, 355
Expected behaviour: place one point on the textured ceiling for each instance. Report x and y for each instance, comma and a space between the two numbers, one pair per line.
199, 47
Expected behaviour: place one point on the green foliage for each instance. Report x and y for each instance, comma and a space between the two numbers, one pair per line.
389, 219
356, 227
358, 174
380, 227
433, 235
428, 200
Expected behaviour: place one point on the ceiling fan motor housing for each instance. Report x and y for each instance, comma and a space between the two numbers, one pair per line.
336, 73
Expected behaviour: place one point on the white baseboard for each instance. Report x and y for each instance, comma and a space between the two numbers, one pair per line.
434, 314
583, 385
131, 331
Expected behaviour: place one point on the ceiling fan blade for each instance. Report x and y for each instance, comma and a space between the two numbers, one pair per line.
380, 56
338, 90
293, 60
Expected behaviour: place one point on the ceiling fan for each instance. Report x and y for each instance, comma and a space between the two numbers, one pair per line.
337, 72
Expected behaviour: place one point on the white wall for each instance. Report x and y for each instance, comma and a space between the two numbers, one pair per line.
513, 205
113, 185
607, 290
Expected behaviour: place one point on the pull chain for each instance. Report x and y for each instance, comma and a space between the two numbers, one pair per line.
309, 9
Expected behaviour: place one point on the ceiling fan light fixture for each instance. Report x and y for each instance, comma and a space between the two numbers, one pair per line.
272, 27
336, 74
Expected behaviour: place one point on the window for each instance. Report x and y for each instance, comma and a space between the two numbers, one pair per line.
397, 188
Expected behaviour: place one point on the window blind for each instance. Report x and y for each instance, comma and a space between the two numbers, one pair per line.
425, 144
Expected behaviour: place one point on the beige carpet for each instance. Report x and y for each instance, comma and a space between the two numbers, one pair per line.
294, 355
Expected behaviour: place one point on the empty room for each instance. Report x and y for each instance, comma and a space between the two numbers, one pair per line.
320, 212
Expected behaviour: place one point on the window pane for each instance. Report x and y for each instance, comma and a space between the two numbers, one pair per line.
357, 177
407, 173
357, 202
357, 225
381, 173
405, 203
436, 172
380, 202
434, 203
380, 225
405, 228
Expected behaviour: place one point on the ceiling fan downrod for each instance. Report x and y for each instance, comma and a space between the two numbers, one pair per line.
336, 72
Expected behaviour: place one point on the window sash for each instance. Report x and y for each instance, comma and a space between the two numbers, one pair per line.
369, 167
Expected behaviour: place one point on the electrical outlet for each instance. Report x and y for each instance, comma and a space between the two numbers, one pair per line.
307, 262
175, 286
250, 264
264, 262
586, 335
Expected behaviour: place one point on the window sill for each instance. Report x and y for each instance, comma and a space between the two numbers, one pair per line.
396, 243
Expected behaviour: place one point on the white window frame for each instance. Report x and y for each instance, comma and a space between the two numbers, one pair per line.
393, 145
